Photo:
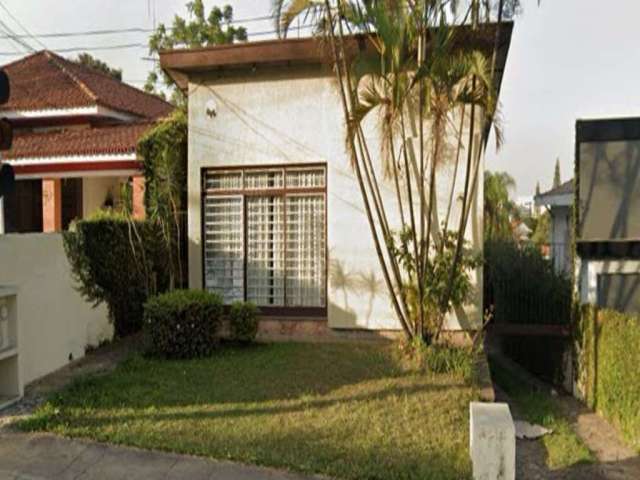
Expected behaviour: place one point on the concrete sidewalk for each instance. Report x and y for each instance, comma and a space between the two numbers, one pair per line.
44, 456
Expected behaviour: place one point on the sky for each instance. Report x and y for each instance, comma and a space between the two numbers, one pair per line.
568, 59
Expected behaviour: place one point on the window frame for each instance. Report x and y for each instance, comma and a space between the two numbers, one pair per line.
284, 191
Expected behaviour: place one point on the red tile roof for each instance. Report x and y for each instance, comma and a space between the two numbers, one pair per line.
45, 80
119, 139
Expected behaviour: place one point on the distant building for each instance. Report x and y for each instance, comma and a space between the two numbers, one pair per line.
559, 201
607, 224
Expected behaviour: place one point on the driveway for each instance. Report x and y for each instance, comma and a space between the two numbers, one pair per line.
43, 456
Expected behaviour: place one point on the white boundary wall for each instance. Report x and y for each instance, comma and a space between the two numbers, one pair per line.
54, 323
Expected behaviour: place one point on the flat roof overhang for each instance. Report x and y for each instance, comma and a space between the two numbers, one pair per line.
182, 63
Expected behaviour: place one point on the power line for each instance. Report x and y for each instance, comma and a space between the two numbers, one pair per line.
87, 33
84, 49
24, 29
12, 36
133, 45
122, 30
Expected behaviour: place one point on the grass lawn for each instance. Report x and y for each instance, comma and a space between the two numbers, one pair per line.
344, 410
563, 446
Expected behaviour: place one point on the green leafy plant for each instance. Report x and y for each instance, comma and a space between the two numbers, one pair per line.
440, 292
164, 150
182, 323
435, 104
521, 287
199, 30
607, 359
119, 262
243, 321
441, 358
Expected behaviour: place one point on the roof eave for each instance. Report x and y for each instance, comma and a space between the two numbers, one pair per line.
181, 63
554, 200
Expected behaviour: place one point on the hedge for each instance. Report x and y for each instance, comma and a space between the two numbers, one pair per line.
607, 362
118, 262
521, 287
243, 322
182, 323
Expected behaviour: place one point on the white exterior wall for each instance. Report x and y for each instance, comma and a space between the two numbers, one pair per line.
561, 238
589, 270
54, 322
295, 116
95, 190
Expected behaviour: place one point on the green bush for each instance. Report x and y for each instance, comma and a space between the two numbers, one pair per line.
118, 262
521, 287
441, 358
182, 323
608, 344
243, 322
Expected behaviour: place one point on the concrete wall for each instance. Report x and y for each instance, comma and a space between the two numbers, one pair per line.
294, 116
54, 323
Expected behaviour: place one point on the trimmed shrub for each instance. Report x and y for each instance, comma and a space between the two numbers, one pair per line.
118, 262
182, 323
608, 355
243, 322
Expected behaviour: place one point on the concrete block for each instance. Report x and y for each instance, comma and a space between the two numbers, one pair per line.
493, 441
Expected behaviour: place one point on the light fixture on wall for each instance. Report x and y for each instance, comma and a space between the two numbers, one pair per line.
211, 108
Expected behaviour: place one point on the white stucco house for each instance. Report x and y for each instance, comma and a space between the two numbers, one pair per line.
275, 214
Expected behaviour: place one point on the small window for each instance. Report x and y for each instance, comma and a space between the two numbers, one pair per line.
264, 179
304, 178
224, 181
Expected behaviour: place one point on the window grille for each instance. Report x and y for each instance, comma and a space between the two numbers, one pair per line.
304, 178
263, 179
305, 237
265, 250
224, 181
265, 246
224, 247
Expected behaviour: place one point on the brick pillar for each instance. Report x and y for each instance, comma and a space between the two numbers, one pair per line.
51, 205
138, 197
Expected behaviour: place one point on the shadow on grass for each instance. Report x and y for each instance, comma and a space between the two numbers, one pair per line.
255, 374
194, 412
345, 410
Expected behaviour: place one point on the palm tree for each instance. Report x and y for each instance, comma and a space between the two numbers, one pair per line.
498, 207
419, 84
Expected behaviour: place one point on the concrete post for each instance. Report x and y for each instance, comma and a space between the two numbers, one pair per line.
493, 441
51, 205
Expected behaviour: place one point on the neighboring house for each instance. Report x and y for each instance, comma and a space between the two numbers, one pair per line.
74, 146
275, 214
559, 202
608, 212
